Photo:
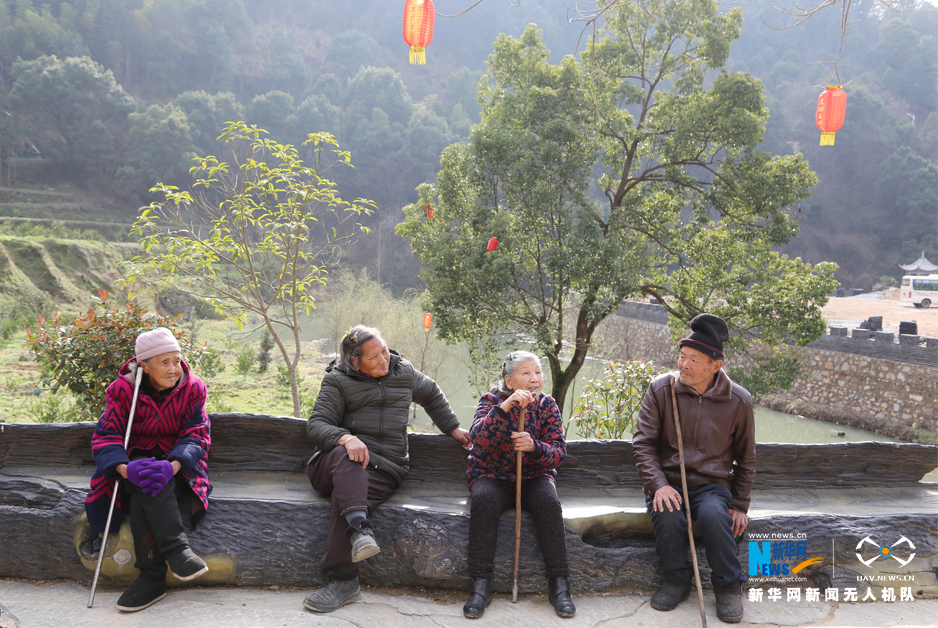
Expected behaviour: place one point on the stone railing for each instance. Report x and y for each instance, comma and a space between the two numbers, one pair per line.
266, 526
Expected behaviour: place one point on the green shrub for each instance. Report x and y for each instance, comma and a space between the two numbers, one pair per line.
609, 405
210, 365
244, 362
49, 407
283, 378
84, 355
263, 356
215, 404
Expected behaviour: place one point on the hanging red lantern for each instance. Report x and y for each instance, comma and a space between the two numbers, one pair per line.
493, 244
418, 28
429, 211
427, 321
831, 106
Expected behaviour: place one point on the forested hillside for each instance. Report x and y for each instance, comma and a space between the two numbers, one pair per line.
116, 95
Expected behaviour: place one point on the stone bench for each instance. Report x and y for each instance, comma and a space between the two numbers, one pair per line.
266, 526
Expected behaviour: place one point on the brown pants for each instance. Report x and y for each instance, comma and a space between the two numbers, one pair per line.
352, 488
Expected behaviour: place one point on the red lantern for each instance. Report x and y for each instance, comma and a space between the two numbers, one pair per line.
831, 106
418, 28
493, 244
427, 321
429, 211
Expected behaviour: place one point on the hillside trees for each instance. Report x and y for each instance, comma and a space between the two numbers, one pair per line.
690, 210
254, 236
75, 98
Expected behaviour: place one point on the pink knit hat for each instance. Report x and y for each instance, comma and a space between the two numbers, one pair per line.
156, 342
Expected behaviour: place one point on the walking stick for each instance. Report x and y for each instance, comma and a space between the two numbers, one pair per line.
690, 531
514, 590
117, 483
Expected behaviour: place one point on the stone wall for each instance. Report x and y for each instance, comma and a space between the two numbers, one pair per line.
864, 379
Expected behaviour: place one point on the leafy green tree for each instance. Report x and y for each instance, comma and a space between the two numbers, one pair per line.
163, 58
461, 90
328, 85
207, 114
286, 69
690, 213
272, 111
253, 237
161, 145
315, 114
76, 97
350, 50
380, 88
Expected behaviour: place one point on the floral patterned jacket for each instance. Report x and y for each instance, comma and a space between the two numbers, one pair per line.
492, 454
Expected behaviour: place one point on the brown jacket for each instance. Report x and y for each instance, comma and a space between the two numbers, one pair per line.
718, 430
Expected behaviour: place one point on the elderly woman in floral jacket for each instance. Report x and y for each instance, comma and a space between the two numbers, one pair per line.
496, 440
163, 470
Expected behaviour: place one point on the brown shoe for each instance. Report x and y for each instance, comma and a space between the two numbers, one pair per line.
729, 603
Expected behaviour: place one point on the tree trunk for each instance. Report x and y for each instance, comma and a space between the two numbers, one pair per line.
563, 378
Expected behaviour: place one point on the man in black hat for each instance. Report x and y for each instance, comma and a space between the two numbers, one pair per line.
718, 433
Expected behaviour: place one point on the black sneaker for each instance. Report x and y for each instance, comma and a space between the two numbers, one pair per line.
142, 593
362, 536
186, 565
333, 594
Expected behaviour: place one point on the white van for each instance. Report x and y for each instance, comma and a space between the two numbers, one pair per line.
920, 290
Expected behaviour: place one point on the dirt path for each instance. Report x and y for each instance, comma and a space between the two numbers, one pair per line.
849, 311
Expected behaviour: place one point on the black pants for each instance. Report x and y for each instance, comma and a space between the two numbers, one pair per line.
490, 498
351, 488
708, 506
156, 525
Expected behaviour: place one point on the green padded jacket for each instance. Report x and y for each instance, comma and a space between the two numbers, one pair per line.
376, 410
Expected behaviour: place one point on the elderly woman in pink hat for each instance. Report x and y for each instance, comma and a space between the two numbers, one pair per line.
163, 470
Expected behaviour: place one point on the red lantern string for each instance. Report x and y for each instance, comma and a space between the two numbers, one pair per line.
831, 107
493, 244
418, 28
429, 211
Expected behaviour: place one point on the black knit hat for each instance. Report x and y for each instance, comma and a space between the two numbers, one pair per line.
709, 332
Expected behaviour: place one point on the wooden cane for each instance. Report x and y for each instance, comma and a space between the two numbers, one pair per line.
514, 590
690, 531
117, 483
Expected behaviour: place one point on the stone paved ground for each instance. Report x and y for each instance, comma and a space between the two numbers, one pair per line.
64, 604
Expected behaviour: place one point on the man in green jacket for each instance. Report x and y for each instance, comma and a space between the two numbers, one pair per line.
359, 428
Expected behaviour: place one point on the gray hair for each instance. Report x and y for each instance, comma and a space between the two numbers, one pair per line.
512, 360
351, 345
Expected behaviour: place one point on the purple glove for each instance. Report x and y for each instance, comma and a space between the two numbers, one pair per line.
138, 470
158, 474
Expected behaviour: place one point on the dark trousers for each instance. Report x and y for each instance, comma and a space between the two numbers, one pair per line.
352, 488
708, 506
156, 525
490, 498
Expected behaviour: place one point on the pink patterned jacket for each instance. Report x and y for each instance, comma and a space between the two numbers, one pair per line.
179, 427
